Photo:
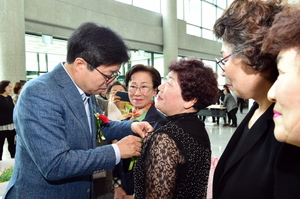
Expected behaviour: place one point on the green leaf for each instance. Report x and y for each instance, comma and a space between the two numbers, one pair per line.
6, 174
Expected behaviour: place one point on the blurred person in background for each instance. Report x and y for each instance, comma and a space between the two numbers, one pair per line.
17, 90
111, 95
231, 107
7, 129
240, 103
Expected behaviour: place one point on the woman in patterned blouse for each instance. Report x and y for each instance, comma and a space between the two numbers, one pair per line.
175, 159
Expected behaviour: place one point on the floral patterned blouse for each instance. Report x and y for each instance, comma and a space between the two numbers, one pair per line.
175, 160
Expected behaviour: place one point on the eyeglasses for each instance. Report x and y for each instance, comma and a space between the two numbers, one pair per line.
143, 89
108, 79
221, 62
111, 78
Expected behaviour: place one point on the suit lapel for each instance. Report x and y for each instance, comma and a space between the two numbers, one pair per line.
252, 137
93, 107
72, 96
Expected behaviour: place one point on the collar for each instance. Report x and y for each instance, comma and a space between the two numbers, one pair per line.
81, 92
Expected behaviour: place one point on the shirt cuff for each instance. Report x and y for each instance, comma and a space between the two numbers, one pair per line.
117, 152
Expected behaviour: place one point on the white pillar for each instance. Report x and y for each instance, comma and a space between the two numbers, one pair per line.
170, 32
12, 41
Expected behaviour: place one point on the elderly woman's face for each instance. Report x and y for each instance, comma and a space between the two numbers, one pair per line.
8, 89
285, 92
242, 79
141, 90
169, 99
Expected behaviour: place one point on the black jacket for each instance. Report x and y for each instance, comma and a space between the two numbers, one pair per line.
262, 167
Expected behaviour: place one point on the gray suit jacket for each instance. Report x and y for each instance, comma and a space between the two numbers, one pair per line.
229, 102
56, 154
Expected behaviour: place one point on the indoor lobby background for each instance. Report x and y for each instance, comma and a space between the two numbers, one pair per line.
33, 33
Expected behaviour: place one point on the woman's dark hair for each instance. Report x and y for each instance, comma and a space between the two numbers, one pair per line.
3, 85
227, 89
112, 85
156, 78
17, 87
284, 33
97, 45
196, 81
244, 26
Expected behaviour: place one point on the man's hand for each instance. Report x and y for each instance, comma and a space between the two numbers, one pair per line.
141, 128
130, 146
119, 193
128, 197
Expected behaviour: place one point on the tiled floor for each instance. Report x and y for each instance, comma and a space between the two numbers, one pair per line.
218, 135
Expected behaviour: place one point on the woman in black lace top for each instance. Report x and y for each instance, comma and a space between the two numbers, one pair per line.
175, 159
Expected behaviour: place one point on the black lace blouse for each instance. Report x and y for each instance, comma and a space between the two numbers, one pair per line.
175, 160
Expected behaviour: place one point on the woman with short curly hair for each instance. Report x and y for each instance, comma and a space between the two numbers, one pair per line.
175, 160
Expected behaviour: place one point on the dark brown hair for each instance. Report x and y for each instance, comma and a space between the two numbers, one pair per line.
156, 78
112, 85
284, 33
243, 26
97, 45
196, 81
3, 85
17, 87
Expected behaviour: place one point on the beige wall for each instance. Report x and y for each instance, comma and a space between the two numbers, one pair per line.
141, 29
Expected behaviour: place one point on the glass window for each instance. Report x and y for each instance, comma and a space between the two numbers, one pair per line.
222, 3
211, 64
208, 15
53, 60
159, 64
229, 2
192, 12
180, 8
151, 59
201, 13
43, 62
193, 30
31, 61
213, 1
208, 34
219, 12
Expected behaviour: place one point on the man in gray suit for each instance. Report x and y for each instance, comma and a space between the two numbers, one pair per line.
56, 130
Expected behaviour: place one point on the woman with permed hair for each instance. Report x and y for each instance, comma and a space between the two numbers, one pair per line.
175, 160
17, 90
285, 91
249, 166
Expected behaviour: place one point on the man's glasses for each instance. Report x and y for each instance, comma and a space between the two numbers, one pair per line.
108, 79
221, 62
143, 89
